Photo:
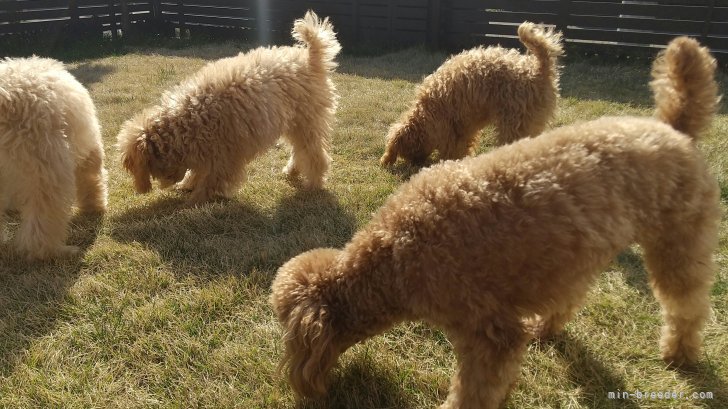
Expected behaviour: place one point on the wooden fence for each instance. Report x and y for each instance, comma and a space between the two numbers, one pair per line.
451, 24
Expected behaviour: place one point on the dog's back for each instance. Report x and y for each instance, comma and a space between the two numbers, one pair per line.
538, 218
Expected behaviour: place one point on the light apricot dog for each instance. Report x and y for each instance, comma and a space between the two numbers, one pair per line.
234, 109
516, 93
50, 152
480, 246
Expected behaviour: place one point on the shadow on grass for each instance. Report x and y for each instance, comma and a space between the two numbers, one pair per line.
633, 270
32, 292
360, 385
405, 170
592, 377
235, 237
91, 73
597, 380
706, 379
410, 64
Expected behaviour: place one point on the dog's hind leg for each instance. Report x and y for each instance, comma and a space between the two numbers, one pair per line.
681, 274
309, 157
489, 362
91, 182
44, 199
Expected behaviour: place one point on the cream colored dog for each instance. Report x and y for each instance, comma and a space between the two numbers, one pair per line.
216, 122
50, 152
479, 247
517, 93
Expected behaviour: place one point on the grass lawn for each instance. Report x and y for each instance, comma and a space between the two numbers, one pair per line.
168, 306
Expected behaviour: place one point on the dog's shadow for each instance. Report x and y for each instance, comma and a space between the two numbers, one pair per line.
359, 385
593, 378
633, 270
389, 65
235, 237
32, 292
597, 380
404, 170
705, 379
91, 73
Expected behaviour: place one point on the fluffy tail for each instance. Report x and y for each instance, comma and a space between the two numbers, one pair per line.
544, 43
320, 38
686, 94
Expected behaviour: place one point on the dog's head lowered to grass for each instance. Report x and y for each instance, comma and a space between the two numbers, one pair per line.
313, 335
145, 155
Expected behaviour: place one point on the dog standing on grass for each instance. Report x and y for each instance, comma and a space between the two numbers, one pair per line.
234, 109
481, 246
516, 93
50, 153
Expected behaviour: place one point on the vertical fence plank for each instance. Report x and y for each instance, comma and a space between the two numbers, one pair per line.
390, 22
708, 20
73, 13
181, 18
11, 7
355, 20
125, 20
563, 18
112, 20
434, 8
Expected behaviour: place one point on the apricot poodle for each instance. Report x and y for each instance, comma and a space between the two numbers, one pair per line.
516, 93
479, 246
234, 109
50, 153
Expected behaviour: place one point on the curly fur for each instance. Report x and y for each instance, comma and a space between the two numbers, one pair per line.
484, 246
50, 153
216, 122
516, 93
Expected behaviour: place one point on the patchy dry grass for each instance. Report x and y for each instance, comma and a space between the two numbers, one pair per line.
167, 307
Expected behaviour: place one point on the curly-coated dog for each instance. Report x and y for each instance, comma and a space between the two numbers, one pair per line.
50, 153
516, 93
234, 109
477, 247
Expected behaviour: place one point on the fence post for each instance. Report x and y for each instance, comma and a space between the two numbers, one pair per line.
563, 18
433, 23
11, 8
708, 20
73, 13
112, 20
355, 22
181, 18
125, 20
390, 26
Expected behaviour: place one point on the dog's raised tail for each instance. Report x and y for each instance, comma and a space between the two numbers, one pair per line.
320, 38
686, 94
545, 43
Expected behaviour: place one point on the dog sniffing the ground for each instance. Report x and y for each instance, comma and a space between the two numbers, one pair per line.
51, 154
482, 246
517, 93
234, 109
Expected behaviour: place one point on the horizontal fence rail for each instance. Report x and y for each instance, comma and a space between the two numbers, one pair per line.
451, 24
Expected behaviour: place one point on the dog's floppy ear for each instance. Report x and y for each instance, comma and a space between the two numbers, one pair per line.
393, 146
406, 141
135, 156
313, 342
311, 350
